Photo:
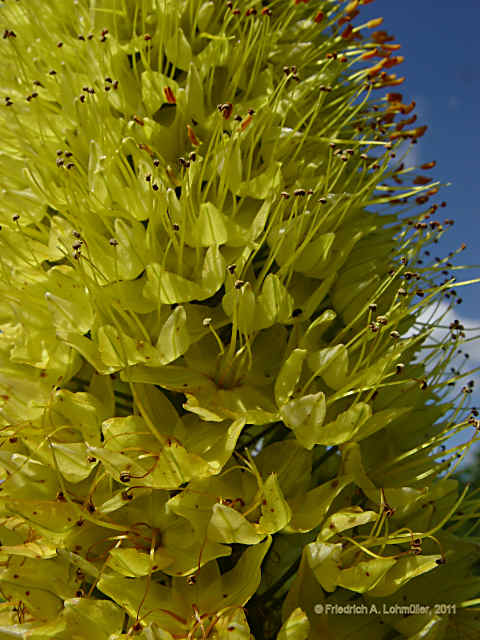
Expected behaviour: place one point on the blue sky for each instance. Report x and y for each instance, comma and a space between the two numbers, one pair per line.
439, 41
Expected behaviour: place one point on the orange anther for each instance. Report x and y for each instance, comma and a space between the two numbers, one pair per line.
192, 136
369, 54
376, 68
245, 122
418, 132
319, 17
381, 37
428, 165
390, 81
348, 32
391, 62
407, 109
351, 6
394, 97
404, 123
376, 22
395, 135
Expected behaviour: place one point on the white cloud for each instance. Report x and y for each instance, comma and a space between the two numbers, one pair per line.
432, 315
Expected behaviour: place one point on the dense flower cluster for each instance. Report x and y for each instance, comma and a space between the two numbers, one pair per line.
216, 412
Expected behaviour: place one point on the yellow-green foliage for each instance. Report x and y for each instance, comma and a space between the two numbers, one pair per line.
217, 409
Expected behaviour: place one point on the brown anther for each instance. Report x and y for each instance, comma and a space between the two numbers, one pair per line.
112, 242
246, 121
285, 195
239, 284
226, 109
421, 199
299, 192
169, 95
